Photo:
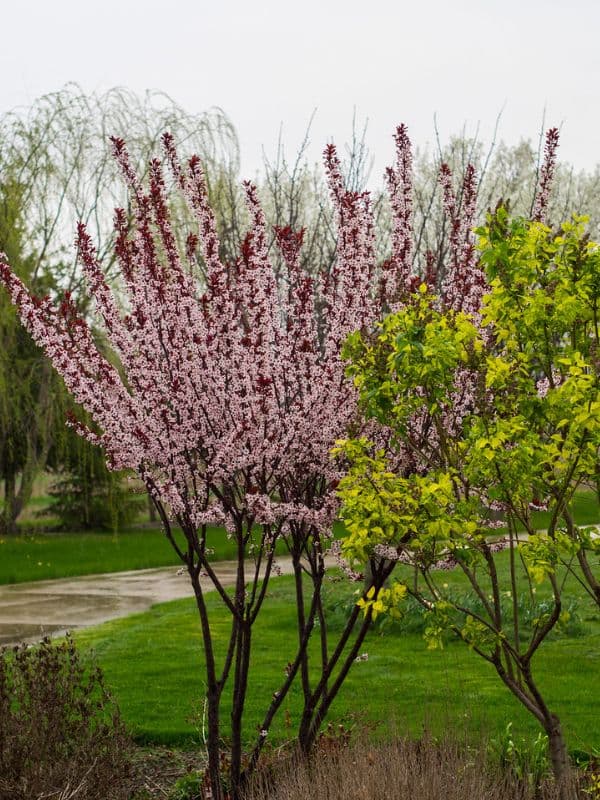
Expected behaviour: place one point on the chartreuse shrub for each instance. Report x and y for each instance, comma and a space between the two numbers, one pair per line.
486, 414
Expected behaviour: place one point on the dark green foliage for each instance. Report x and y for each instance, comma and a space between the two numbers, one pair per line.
87, 496
87, 501
188, 787
32, 397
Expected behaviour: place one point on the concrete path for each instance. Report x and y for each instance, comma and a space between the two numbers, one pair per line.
29, 611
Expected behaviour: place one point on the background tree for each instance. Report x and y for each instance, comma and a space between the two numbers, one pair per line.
32, 397
57, 149
54, 171
294, 193
84, 493
510, 173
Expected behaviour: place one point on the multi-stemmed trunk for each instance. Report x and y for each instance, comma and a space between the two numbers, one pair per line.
244, 606
334, 664
213, 694
497, 637
514, 664
514, 669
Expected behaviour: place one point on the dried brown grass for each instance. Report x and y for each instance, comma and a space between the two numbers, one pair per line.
422, 770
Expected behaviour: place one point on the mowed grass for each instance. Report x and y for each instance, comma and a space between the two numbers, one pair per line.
154, 665
45, 556
585, 508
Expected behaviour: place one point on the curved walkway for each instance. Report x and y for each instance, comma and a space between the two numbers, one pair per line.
29, 611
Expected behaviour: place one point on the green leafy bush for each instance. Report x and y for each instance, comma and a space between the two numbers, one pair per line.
525, 760
189, 787
89, 497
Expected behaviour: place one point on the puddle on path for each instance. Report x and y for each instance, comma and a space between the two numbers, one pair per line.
11, 633
29, 611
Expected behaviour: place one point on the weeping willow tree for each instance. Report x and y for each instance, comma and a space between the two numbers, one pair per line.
32, 398
56, 169
59, 150
33, 407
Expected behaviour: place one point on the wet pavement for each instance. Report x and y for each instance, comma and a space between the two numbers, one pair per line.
29, 611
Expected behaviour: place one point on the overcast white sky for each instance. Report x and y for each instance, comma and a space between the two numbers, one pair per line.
269, 63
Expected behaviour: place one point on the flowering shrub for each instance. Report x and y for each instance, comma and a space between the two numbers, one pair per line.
225, 395
227, 391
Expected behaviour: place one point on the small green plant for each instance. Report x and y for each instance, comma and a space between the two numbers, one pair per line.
588, 762
188, 787
593, 787
522, 759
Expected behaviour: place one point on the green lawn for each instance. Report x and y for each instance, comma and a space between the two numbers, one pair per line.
43, 556
585, 511
40, 556
153, 662
58, 555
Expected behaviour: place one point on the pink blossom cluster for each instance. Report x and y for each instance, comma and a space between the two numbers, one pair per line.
464, 282
228, 395
546, 176
544, 385
396, 273
335, 551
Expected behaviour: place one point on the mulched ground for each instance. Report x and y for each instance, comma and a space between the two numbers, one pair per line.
157, 768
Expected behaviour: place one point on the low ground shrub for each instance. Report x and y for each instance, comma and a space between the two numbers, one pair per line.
61, 736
